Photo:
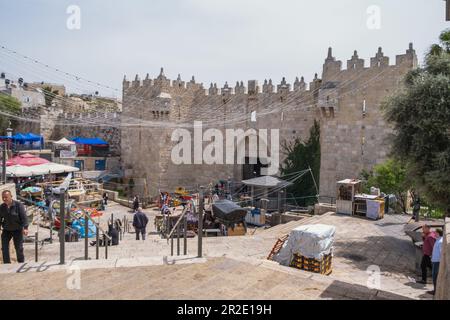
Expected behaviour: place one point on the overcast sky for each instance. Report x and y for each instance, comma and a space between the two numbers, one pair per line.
215, 40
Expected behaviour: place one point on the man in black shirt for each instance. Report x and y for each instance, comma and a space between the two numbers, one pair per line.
140, 221
14, 223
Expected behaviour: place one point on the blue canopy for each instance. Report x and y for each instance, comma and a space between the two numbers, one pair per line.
33, 137
89, 141
28, 137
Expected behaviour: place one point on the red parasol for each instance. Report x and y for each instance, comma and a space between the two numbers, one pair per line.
28, 160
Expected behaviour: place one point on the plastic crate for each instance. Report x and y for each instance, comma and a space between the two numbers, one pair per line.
310, 264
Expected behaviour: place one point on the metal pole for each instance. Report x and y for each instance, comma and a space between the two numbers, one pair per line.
5, 146
178, 239
105, 242
62, 239
97, 238
200, 223
86, 238
36, 244
51, 230
171, 245
185, 236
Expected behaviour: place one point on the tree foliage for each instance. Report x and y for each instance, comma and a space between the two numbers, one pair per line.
300, 156
420, 114
391, 178
10, 106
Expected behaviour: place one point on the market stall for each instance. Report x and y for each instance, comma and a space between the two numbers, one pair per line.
230, 216
65, 148
351, 201
91, 147
346, 190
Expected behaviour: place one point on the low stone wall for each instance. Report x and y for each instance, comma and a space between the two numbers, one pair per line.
288, 217
112, 195
443, 282
322, 208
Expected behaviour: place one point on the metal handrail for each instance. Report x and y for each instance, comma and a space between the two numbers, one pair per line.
176, 224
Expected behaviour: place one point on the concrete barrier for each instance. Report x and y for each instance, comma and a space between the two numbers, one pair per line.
443, 282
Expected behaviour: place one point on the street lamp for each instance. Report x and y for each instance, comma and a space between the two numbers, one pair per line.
9, 130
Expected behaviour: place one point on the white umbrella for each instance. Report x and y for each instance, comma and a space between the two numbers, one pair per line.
52, 168
18, 171
39, 170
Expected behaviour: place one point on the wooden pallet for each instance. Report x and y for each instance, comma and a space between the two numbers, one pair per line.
277, 247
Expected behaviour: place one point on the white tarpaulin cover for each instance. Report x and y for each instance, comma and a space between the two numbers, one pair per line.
311, 241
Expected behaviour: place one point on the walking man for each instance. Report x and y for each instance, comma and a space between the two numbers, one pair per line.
135, 203
140, 221
435, 259
14, 223
429, 238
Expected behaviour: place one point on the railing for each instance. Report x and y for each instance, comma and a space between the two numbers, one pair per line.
106, 237
177, 227
63, 228
170, 233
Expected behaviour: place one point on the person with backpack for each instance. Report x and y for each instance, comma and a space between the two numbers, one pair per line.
14, 223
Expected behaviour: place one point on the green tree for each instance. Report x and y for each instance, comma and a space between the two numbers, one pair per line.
300, 156
390, 177
420, 115
8, 106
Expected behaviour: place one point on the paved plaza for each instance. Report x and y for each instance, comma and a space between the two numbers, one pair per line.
231, 267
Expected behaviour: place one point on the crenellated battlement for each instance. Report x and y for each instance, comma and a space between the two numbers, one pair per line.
252, 87
91, 115
177, 98
332, 68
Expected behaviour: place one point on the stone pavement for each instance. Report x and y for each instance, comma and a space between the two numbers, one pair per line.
216, 278
360, 244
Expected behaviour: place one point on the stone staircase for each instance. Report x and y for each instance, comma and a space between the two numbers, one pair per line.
283, 229
224, 256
